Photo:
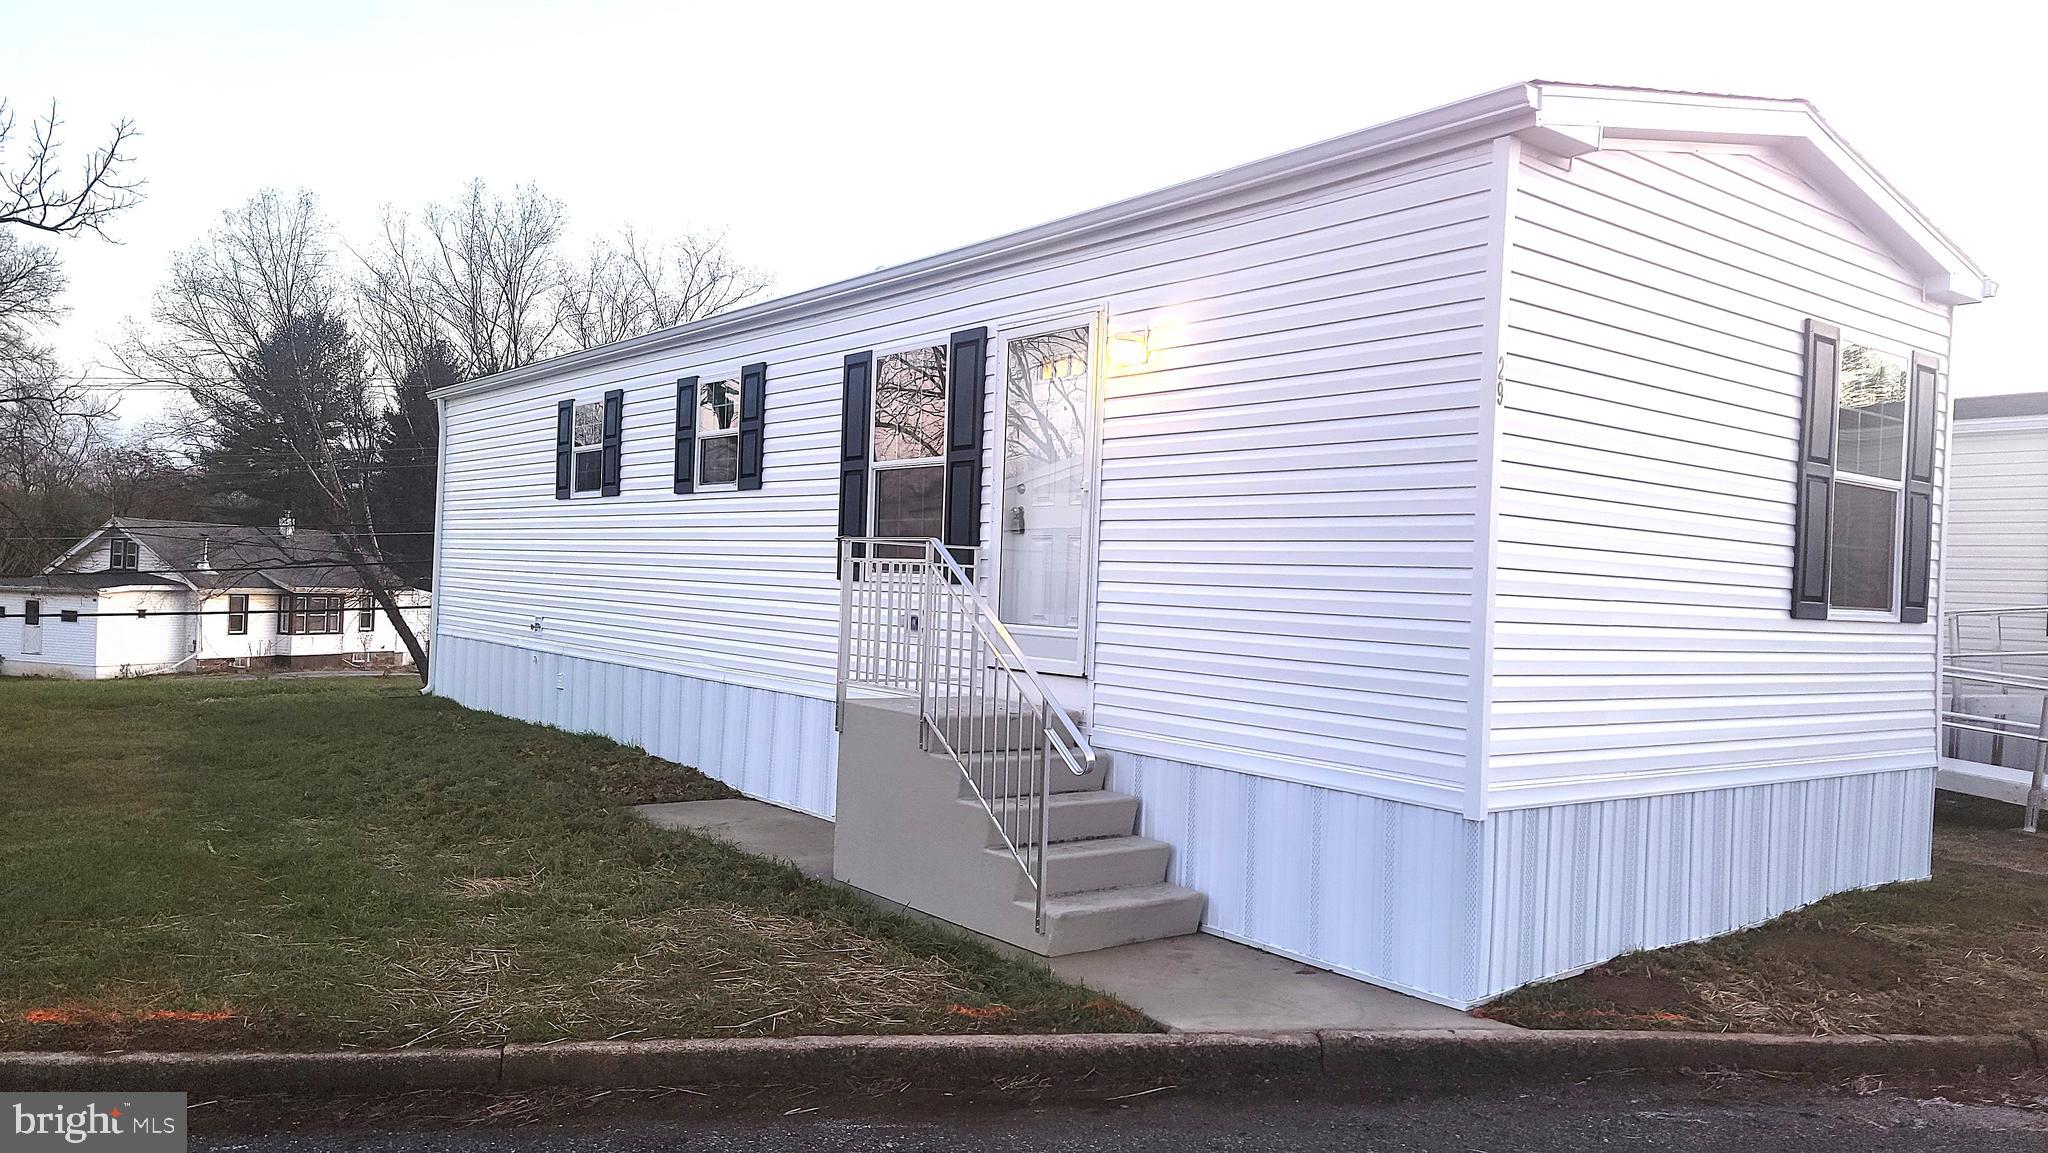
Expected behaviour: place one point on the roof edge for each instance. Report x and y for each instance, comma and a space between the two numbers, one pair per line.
1481, 117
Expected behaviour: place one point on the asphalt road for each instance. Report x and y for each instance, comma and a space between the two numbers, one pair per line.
1723, 1118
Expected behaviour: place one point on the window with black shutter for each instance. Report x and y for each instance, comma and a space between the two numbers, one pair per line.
1862, 540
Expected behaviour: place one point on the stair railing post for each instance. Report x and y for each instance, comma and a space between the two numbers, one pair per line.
1044, 809
846, 579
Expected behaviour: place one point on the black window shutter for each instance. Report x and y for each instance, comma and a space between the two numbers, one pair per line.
1917, 555
854, 398
753, 421
614, 416
686, 433
966, 390
565, 448
1816, 474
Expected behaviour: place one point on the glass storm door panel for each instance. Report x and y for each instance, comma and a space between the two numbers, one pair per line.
1046, 507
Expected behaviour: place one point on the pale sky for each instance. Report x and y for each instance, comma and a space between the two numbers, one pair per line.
835, 139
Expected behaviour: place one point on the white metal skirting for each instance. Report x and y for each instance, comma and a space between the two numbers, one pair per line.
1570, 886
1425, 902
778, 747
1376, 889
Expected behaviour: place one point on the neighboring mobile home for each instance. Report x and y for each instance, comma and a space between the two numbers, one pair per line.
1476, 546
1995, 569
140, 597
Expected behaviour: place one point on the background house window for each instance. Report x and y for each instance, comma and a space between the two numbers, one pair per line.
909, 459
718, 433
589, 446
366, 617
238, 614
311, 615
1870, 462
124, 555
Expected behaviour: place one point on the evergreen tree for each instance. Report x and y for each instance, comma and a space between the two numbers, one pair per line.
408, 450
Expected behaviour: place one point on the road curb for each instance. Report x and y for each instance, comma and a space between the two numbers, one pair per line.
1077, 1065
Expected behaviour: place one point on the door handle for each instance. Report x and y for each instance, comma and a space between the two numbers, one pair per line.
1017, 519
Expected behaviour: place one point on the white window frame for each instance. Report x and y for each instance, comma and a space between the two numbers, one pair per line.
876, 465
116, 546
1896, 487
577, 451
698, 435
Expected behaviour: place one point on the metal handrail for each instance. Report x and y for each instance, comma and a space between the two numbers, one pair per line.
1954, 720
912, 622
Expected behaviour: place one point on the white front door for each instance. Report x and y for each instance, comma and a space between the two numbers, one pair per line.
32, 629
1045, 506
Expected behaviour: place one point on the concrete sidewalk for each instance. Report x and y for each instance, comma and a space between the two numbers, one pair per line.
1190, 984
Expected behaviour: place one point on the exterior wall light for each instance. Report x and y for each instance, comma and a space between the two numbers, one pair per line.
1130, 349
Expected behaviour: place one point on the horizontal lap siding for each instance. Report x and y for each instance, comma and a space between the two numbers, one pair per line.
1287, 493
1998, 531
1288, 511
1656, 306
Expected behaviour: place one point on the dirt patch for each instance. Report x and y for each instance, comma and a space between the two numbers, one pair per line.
1849, 960
1637, 993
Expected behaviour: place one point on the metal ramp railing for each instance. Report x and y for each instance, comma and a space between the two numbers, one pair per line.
2015, 677
912, 624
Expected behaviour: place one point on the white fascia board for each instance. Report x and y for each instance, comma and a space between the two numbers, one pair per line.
1797, 130
83, 543
1469, 121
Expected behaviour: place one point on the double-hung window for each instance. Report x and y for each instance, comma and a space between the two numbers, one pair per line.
718, 434
1871, 393
589, 446
366, 615
1863, 517
310, 615
124, 555
909, 447
238, 614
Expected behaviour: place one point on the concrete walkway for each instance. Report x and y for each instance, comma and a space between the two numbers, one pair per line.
1191, 984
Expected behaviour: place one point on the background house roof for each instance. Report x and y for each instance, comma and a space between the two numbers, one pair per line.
220, 556
91, 581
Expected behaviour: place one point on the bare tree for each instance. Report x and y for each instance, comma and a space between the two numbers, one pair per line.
632, 287
251, 326
48, 439
34, 192
492, 273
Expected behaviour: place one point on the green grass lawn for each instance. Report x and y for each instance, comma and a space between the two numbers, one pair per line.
1964, 952
197, 863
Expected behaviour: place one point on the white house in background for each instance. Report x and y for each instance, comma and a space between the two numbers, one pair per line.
1476, 546
1996, 572
138, 597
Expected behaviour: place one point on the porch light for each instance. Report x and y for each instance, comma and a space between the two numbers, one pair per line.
1130, 349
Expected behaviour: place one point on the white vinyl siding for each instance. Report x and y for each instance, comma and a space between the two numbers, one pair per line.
67, 648
1998, 529
1653, 364
1287, 496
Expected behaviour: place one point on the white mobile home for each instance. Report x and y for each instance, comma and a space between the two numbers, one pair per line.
1451, 554
1996, 600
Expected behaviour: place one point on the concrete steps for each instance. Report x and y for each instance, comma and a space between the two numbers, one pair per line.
1103, 918
1081, 816
1008, 774
911, 828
